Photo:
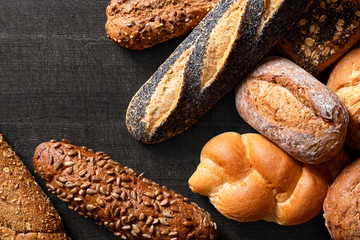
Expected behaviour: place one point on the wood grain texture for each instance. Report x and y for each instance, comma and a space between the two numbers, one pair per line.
60, 77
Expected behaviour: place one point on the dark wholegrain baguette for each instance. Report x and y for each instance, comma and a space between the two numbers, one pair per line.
324, 32
139, 24
127, 204
25, 211
226, 44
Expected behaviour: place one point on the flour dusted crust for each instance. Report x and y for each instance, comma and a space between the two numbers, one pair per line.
248, 178
294, 110
139, 24
341, 206
344, 80
209, 63
25, 211
127, 204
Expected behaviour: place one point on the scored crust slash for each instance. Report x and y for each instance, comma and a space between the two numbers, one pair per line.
226, 44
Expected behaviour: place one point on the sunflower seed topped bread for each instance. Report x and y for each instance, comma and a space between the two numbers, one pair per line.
139, 24
341, 206
248, 178
294, 110
25, 211
210, 62
324, 32
345, 82
127, 204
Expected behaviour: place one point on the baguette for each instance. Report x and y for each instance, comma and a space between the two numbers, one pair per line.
210, 62
139, 24
324, 32
127, 204
25, 211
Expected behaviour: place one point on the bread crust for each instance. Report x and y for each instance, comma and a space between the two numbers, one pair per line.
341, 206
125, 203
294, 110
344, 80
208, 64
25, 211
248, 178
139, 24
324, 32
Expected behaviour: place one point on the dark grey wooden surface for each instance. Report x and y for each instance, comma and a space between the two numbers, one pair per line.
60, 77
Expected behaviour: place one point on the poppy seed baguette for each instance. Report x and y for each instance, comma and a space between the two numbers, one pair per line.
127, 204
226, 44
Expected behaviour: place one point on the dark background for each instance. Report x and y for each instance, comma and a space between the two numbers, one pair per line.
60, 77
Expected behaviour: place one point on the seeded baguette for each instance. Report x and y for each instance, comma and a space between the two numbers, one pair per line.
210, 62
324, 32
25, 211
139, 24
127, 204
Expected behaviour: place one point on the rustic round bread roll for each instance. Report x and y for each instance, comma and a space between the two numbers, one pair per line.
248, 178
341, 206
294, 110
345, 82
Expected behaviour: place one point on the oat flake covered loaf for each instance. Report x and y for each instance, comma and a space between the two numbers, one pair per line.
124, 202
324, 32
139, 24
25, 211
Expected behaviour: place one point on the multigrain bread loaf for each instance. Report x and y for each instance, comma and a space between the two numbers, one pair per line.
341, 206
248, 178
325, 31
294, 110
127, 204
25, 211
210, 62
139, 24
345, 82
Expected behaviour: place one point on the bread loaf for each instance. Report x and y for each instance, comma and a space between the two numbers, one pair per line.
294, 110
127, 204
341, 206
324, 32
209, 63
345, 82
139, 24
248, 178
25, 211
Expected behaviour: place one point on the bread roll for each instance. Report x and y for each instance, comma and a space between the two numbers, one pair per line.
324, 32
139, 24
226, 44
345, 82
294, 110
248, 178
341, 206
127, 204
25, 211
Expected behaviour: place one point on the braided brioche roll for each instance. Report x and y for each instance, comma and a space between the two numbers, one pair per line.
248, 178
